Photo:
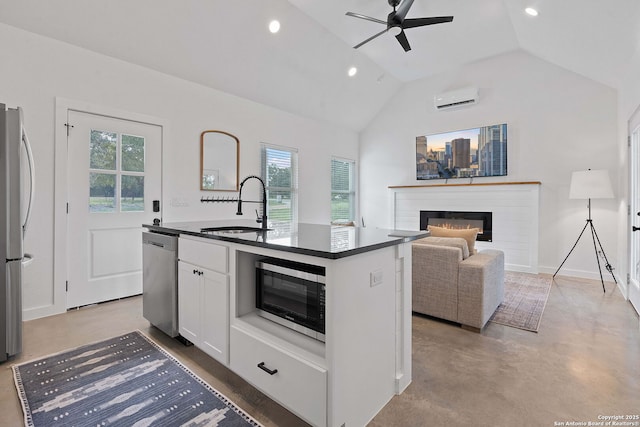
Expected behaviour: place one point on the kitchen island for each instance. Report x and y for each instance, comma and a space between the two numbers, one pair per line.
365, 358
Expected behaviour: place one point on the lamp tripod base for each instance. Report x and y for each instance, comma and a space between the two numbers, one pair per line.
596, 239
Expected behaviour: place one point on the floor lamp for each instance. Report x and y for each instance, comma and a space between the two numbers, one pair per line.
591, 184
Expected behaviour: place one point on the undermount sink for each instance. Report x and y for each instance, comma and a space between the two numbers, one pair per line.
232, 229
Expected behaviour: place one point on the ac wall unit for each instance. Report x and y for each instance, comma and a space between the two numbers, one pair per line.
456, 98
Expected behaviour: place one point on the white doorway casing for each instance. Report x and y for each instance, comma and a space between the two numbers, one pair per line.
514, 207
634, 211
61, 260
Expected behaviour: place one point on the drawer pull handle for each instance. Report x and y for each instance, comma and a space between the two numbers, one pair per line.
267, 370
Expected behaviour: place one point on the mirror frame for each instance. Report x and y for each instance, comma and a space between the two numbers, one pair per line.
202, 135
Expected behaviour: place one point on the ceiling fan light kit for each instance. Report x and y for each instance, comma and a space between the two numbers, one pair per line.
397, 22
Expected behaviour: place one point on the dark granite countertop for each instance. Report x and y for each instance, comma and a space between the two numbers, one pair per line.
318, 240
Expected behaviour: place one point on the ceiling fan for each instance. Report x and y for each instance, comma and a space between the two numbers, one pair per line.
396, 22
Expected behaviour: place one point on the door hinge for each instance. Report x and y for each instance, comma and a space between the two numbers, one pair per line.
628, 140
66, 286
628, 278
68, 126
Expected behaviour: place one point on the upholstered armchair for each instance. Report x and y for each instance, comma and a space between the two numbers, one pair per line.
452, 283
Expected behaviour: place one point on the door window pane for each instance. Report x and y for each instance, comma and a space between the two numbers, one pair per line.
123, 189
102, 150
102, 190
132, 193
132, 153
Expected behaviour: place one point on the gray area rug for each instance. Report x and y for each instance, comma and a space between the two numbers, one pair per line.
125, 381
525, 296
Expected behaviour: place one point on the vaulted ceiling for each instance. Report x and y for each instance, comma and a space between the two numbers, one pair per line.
302, 69
584, 36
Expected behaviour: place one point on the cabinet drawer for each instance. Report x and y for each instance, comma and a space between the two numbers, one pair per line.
298, 385
204, 254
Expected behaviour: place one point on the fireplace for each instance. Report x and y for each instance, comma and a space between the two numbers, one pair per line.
459, 220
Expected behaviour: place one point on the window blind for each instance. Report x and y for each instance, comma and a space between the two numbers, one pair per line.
343, 194
280, 174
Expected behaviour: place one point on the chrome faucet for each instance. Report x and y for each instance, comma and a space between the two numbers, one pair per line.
262, 220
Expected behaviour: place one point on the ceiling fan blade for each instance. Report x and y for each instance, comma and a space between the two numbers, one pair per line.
402, 38
370, 38
404, 9
419, 22
368, 18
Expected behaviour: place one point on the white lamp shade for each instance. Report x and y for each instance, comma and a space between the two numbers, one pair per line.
591, 184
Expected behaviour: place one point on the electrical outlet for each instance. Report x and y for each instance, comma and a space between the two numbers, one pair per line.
375, 278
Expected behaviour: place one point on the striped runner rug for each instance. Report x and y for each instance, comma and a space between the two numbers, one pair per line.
123, 381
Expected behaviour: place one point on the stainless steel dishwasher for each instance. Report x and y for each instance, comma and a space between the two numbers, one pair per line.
160, 281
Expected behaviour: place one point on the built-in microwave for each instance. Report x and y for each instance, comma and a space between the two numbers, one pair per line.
292, 294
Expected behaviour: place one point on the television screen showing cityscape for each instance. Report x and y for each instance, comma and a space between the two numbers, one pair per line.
462, 154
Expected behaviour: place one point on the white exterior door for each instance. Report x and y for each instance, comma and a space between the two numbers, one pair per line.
114, 175
634, 196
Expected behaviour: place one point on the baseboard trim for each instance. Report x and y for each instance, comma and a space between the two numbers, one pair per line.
591, 275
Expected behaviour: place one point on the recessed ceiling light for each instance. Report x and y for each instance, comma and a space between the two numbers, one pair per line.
531, 11
274, 26
352, 71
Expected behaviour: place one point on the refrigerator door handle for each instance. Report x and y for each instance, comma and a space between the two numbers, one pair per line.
32, 176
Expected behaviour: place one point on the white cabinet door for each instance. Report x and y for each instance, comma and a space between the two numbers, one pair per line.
214, 315
203, 297
189, 301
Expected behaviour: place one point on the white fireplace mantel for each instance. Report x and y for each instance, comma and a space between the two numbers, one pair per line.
514, 206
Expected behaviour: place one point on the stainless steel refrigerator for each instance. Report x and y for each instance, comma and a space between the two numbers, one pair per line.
16, 200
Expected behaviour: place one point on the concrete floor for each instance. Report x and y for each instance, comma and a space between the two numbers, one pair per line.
583, 364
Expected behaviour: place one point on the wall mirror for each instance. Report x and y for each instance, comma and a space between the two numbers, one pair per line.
219, 160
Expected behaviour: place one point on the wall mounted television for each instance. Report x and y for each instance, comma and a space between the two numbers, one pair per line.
466, 153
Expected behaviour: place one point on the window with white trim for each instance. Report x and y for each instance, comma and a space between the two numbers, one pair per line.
343, 190
280, 174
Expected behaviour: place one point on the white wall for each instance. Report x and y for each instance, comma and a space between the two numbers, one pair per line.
558, 122
36, 70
